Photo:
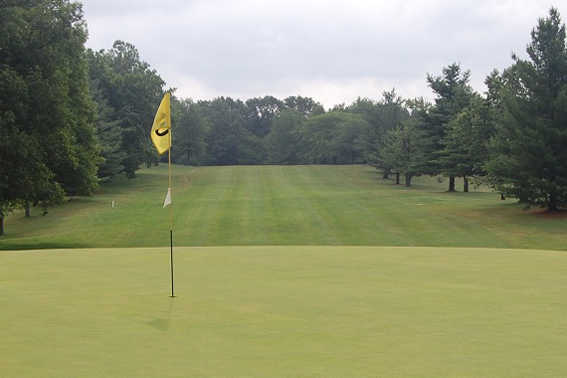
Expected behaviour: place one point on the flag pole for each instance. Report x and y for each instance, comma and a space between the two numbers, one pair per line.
170, 213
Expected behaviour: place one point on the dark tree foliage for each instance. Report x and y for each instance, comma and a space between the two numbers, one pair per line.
284, 139
330, 138
260, 112
465, 150
304, 105
404, 146
452, 94
48, 137
127, 91
228, 140
189, 133
237, 132
382, 116
529, 158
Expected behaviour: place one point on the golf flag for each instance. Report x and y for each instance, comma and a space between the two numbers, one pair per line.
167, 200
161, 138
161, 128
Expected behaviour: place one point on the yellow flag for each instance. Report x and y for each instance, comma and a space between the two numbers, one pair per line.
161, 129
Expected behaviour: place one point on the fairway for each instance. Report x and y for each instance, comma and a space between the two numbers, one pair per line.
284, 312
285, 205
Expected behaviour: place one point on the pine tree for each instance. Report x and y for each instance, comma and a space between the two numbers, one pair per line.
453, 94
529, 159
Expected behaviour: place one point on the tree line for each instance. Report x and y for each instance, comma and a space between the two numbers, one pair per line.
71, 118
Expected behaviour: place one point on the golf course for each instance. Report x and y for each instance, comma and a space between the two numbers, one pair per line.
284, 271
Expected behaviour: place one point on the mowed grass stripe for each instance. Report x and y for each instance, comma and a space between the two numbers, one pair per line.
286, 205
284, 311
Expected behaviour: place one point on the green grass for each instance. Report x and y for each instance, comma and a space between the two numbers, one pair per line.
286, 272
285, 205
284, 312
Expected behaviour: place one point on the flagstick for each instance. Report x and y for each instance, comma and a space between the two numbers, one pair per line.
170, 215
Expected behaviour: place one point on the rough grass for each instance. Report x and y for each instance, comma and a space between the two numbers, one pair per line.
285, 205
284, 312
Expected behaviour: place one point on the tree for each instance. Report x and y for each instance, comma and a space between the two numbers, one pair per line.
260, 112
466, 141
284, 138
228, 141
382, 116
330, 138
529, 158
190, 130
25, 177
405, 146
45, 109
108, 128
453, 93
126, 90
304, 105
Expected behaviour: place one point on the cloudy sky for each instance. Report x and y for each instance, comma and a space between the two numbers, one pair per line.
333, 51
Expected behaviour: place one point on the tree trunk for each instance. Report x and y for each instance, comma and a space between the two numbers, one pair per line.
465, 184
408, 179
502, 197
451, 183
386, 174
27, 210
552, 203
1, 224
397, 178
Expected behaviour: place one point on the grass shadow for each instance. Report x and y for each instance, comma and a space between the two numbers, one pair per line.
19, 246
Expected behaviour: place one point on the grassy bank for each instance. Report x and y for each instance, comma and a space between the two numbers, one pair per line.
285, 205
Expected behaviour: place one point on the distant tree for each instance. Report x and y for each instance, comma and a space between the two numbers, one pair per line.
304, 105
404, 146
529, 158
260, 112
370, 139
228, 141
330, 138
190, 128
284, 138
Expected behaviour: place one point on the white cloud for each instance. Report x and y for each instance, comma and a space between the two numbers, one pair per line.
333, 51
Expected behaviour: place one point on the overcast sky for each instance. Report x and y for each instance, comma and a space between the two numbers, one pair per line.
333, 51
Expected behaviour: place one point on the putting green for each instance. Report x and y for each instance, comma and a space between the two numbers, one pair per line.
284, 312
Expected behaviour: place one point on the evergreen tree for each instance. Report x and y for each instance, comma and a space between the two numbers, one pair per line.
382, 116
466, 141
405, 146
453, 94
529, 156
